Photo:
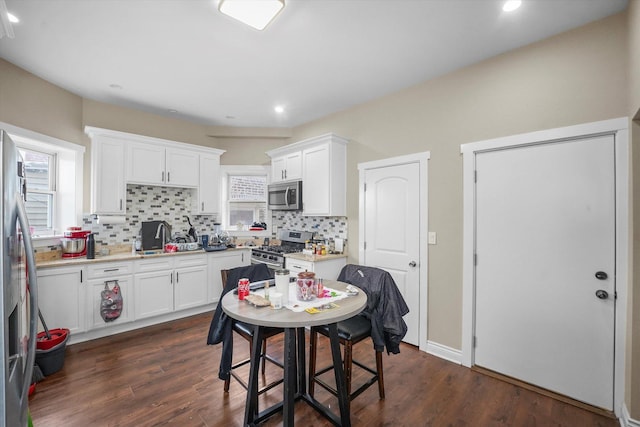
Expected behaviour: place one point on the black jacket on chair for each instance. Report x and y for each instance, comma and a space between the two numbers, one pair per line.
385, 305
221, 329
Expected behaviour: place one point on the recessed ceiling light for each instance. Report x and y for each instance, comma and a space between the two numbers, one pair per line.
12, 18
511, 5
255, 13
278, 109
172, 111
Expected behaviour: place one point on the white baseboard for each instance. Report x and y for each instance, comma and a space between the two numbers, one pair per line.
626, 420
444, 352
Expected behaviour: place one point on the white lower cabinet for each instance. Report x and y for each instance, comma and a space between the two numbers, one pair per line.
324, 269
97, 275
190, 284
167, 284
61, 297
224, 261
153, 293
94, 300
154, 289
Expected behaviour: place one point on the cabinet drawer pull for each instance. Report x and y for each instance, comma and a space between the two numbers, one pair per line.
109, 270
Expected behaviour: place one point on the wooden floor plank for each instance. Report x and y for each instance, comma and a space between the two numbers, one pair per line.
167, 375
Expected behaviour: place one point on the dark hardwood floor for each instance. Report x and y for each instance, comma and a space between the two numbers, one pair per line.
167, 375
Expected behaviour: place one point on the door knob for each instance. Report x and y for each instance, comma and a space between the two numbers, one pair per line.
601, 275
412, 264
602, 294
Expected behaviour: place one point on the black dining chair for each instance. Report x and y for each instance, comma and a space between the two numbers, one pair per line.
384, 304
228, 368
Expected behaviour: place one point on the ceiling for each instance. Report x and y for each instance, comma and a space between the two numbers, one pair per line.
183, 59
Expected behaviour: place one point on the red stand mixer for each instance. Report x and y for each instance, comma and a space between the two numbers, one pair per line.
74, 242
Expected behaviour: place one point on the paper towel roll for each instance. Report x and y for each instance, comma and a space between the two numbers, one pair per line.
111, 219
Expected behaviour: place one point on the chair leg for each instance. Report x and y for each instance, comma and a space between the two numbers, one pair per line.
380, 375
313, 345
348, 361
226, 384
264, 355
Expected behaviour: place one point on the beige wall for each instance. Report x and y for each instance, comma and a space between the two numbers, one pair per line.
32, 103
577, 77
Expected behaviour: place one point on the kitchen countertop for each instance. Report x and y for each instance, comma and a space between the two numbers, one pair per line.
314, 258
121, 256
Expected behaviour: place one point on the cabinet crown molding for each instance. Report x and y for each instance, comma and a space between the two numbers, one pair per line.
95, 132
305, 143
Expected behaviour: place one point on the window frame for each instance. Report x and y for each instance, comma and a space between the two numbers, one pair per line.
245, 170
69, 178
53, 184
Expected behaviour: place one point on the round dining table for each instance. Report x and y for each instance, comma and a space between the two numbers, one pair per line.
295, 376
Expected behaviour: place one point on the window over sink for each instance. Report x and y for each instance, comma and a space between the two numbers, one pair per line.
244, 198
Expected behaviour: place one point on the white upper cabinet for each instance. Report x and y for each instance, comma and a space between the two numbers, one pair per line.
209, 187
286, 167
151, 164
146, 164
321, 163
119, 158
108, 186
183, 167
324, 177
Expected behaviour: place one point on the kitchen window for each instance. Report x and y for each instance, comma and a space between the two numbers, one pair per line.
244, 197
41, 189
55, 176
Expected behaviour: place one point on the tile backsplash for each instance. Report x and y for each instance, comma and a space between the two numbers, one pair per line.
323, 227
151, 203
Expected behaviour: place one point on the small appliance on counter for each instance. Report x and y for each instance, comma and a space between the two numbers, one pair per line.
74, 242
155, 234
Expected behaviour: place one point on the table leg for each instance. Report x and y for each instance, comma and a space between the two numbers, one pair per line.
251, 409
302, 372
341, 385
290, 376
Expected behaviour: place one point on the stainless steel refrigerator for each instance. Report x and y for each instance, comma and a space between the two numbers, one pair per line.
19, 307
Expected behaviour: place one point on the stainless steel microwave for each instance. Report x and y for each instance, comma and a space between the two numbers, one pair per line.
285, 196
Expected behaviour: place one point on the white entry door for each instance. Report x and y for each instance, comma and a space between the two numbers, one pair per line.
391, 220
545, 266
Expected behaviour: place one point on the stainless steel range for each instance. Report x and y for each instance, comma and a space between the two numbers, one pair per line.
290, 242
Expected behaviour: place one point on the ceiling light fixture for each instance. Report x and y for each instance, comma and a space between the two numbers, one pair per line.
279, 109
255, 13
5, 21
511, 5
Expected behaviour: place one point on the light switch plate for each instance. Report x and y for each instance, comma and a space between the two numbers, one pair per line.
432, 238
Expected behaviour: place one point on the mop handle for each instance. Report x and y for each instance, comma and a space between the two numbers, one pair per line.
46, 330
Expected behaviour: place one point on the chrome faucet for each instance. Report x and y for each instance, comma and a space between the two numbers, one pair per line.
162, 227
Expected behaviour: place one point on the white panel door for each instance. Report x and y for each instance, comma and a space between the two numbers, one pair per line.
545, 240
392, 216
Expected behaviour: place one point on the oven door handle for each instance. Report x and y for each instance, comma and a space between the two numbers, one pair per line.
273, 264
